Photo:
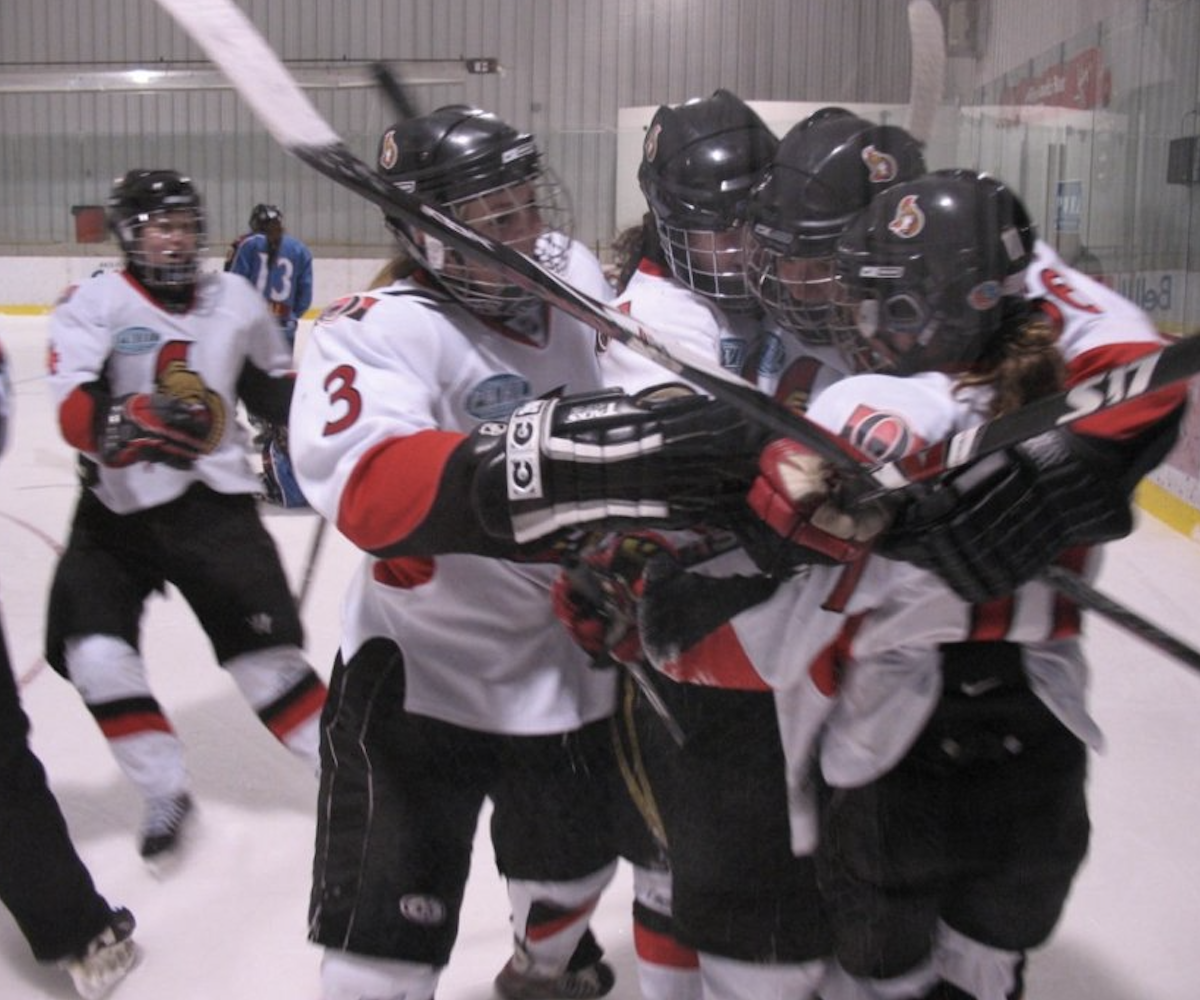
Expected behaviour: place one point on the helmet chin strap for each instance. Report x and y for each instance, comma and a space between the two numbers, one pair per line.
175, 297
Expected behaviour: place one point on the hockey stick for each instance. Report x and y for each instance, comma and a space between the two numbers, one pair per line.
1109, 389
395, 91
1084, 594
927, 43
310, 563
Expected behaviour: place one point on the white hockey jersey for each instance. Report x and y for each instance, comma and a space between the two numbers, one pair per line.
693, 327
108, 328
389, 382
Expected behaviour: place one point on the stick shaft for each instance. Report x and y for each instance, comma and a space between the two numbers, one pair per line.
1087, 596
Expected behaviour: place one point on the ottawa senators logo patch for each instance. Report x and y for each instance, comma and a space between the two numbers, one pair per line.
881, 436
175, 379
881, 166
909, 219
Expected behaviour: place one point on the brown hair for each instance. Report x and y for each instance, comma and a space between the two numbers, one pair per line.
400, 266
631, 246
1025, 365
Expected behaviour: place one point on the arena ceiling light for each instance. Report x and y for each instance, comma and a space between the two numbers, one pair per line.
181, 76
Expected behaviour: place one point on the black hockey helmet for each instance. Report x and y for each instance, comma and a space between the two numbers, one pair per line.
928, 274
700, 160
262, 215
826, 169
135, 200
481, 170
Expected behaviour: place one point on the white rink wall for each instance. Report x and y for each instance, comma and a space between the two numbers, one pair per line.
31, 285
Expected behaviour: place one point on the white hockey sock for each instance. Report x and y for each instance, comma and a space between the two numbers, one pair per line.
729, 979
346, 976
111, 677
840, 985
286, 694
978, 969
550, 944
667, 969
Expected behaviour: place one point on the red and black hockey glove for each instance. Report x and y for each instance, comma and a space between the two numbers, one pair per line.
596, 595
154, 427
796, 496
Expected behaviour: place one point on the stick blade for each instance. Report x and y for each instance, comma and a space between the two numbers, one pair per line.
233, 44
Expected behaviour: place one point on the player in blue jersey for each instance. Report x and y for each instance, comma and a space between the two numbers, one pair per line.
278, 265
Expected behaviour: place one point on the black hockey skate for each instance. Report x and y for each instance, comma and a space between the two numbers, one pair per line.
586, 976
163, 824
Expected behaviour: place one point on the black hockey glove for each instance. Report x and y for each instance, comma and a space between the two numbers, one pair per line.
678, 608
154, 427
998, 522
596, 594
606, 459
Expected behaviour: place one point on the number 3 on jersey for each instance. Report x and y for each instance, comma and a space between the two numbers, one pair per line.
339, 384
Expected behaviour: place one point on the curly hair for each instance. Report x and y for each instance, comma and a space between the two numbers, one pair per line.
1023, 365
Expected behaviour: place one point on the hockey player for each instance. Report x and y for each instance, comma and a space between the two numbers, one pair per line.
147, 367
254, 225
740, 896
950, 736
44, 883
420, 407
700, 161
279, 265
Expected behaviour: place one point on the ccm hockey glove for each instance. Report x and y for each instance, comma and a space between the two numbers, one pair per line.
998, 522
154, 427
605, 459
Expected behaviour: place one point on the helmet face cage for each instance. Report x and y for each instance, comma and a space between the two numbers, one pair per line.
827, 168
532, 216
923, 274
144, 198
709, 261
699, 163
486, 174
795, 289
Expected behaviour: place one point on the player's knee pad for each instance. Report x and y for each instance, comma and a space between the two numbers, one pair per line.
981, 971
104, 668
917, 982
346, 976
732, 979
